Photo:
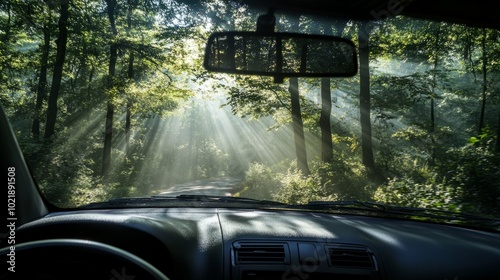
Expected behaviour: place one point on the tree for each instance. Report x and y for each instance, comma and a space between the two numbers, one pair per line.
13, 62
484, 70
5, 43
424, 64
32, 18
364, 95
141, 64
480, 53
326, 105
497, 145
436, 52
113, 55
42, 82
41, 90
130, 76
298, 127
297, 123
324, 121
58, 69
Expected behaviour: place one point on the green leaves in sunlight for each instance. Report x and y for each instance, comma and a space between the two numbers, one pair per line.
428, 194
466, 181
345, 179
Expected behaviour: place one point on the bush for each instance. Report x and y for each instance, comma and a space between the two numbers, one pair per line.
261, 180
467, 179
345, 178
476, 169
429, 194
298, 189
283, 182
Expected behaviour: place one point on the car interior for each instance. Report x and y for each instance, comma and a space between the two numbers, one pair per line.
202, 238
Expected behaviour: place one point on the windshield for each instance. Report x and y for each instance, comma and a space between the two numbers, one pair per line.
110, 99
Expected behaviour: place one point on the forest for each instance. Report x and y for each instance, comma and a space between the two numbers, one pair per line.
109, 98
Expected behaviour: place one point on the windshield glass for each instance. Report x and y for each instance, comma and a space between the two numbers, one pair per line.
109, 99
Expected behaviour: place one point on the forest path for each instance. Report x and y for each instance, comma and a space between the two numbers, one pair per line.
218, 186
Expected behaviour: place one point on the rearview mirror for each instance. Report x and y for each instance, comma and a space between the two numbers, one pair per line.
280, 54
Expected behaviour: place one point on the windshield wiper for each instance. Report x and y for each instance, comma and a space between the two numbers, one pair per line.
221, 198
180, 200
346, 204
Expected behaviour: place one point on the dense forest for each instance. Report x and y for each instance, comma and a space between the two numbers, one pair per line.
109, 99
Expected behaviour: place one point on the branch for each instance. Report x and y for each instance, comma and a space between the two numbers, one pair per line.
281, 101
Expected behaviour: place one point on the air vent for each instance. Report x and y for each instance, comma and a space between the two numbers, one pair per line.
262, 253
351, 257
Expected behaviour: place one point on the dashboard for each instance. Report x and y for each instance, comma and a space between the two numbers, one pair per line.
224, 243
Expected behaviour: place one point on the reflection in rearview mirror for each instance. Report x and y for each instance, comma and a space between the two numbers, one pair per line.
280, 54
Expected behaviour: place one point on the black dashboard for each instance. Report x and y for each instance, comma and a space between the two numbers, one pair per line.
215, 243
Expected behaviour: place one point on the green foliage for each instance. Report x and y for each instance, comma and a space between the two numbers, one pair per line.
476, 170
465, 180
282, 182
344, 179
261, 180
431, 193
257, 96
66, 179
298, 189
486, 137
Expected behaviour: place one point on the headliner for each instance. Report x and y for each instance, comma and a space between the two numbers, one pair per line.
480, 13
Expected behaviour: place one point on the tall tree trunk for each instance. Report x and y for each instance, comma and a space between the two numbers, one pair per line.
130, 76
433, 113
364, 96
432, 128
434, 82
326, 106
298, 127
497, 146
129, 103
89, 82
42, 82
5, 40
7, 27
297, 123
485, 84
108, 136
113, 54
58, 70
324, 121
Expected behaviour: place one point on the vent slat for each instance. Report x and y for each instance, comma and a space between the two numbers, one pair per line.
260, 253
354, 258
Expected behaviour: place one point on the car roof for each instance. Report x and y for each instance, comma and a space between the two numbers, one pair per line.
479, 13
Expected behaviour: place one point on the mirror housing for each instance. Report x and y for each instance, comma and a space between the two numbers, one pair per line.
280, 54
